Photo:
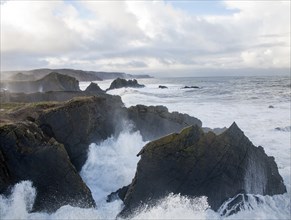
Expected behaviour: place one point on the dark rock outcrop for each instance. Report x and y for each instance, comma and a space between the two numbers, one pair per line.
82, 121
191, 87
194, 163
27, 154
58, 82
156, 121
119, 194
123, 83
52, 82
286, 129
162, 87
93, 87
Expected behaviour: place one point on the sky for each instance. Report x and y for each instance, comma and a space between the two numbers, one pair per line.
156, 37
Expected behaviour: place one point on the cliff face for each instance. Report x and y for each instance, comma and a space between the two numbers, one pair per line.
48, 143
80, 122
27, 154
51, 82
194, 163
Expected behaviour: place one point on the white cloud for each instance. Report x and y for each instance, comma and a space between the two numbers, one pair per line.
143, 36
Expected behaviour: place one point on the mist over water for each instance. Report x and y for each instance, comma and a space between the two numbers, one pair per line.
112, 163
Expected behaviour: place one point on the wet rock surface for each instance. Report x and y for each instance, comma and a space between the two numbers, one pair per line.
27, 154
194, 163
82, 121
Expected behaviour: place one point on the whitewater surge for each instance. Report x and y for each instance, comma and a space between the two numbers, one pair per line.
111, 164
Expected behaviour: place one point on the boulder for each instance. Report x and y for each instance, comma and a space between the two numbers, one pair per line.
194, 163
27, 154
123, 83
156, 121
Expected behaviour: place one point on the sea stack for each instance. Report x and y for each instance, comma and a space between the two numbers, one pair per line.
123, 83
194, 163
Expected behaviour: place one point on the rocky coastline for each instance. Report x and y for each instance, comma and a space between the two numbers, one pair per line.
45, 136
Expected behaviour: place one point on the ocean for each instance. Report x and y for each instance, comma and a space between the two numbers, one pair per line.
259, 105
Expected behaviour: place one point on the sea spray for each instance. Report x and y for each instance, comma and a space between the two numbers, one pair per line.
112, 163
125, 146
178, 207
19, 203
215, 110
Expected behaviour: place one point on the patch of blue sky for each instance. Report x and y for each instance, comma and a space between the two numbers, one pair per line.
202, 7
83, 11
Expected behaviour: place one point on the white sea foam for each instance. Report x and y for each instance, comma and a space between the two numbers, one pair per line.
178, 207
19, 203
112, 163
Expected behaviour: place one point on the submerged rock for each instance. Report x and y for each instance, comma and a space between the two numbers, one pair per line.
191, 87
123, 83
286, 129
27, 154
194, 163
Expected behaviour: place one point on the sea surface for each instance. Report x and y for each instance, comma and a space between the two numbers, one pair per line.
259, 105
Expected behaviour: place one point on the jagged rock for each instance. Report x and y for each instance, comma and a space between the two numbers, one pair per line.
156, 121
93, 87
123, 83
194, 163
162, 87
27, 154
82, 121
119, 194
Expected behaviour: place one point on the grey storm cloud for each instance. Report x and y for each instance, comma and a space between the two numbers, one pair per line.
145, 36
